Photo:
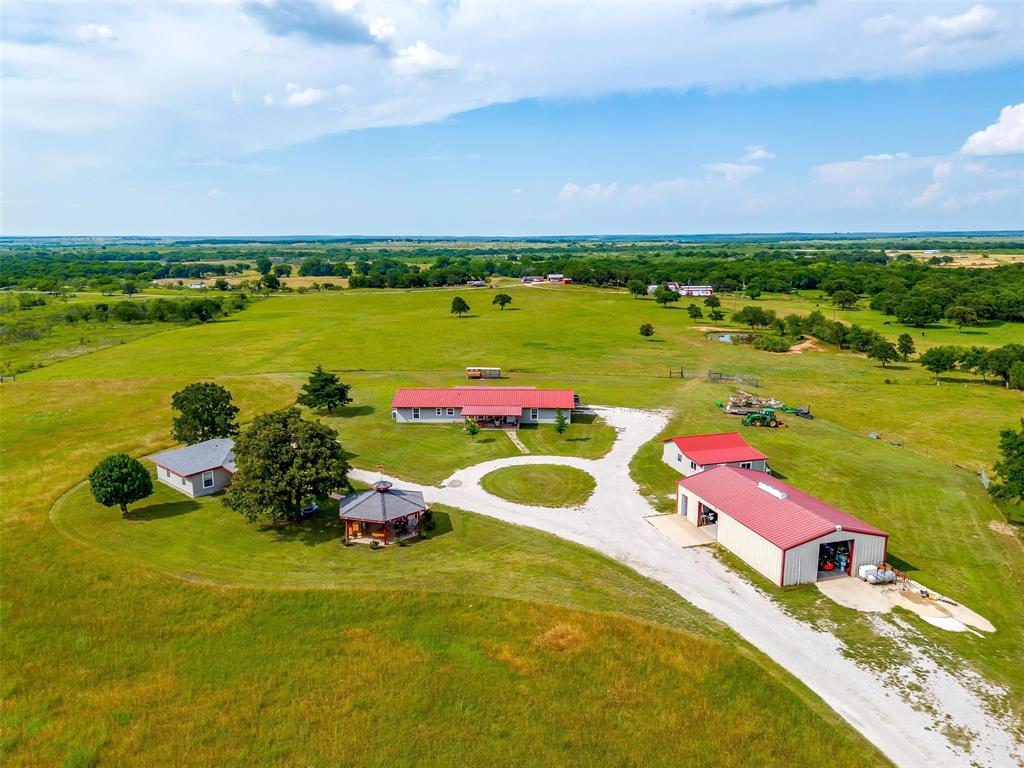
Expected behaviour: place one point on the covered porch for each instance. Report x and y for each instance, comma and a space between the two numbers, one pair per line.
367, 531
494, 416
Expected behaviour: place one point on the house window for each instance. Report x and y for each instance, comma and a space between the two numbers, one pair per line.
207, 479
183, 480
679, 457
693, 465
437, 411
167, 473
534, 414
745, 465
415, 413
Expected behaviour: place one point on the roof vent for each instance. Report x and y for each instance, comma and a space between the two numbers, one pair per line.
839, 529
382, 486
772, 490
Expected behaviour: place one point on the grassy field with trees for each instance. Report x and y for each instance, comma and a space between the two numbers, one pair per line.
596, 657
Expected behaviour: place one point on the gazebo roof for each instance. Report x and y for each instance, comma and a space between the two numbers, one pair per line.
380, 504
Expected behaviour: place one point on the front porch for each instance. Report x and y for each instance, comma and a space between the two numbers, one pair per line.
497, 422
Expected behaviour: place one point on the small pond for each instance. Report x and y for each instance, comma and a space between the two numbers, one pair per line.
735, 338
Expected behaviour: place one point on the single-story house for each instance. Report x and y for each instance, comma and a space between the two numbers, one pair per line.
381, 514
555, 278
684, 290
695, 453
505, 407
199, 469
783, 533
533, 278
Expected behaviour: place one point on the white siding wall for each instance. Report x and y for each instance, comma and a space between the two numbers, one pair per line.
802, 561
193, 485
404, 415
759, 553
689, 509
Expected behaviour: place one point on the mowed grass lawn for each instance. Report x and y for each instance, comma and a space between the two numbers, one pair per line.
545, 485
187, 636
123, 642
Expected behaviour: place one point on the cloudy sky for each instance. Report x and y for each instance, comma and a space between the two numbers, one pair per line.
307, 117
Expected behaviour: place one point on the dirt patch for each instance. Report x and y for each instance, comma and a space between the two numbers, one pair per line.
808, 345
1003, 528
716, 329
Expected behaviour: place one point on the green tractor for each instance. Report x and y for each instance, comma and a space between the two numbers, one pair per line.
763, 418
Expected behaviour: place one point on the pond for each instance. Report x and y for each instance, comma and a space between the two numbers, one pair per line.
736, 338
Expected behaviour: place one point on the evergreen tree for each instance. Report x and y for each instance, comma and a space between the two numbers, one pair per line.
561, 423
324, 390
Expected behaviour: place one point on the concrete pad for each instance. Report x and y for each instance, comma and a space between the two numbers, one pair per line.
681, 532
854, 593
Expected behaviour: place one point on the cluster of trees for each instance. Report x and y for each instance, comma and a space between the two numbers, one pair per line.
318, 266
1003, 363
28, 326
959, 296
284, 462
1010, 467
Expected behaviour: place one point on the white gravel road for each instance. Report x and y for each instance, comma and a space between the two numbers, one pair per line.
908, 726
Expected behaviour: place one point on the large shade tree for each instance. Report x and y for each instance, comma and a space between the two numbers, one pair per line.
1010, 467
284, 463
205, 412
120, 480
459, 306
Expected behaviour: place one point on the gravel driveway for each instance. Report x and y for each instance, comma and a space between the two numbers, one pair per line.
906, 724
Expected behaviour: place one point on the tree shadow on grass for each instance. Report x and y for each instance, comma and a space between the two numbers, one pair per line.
899, 563
577, 439
484, 440
354, 410
891, 367
511, 309
442, 524
321, 529
165, 510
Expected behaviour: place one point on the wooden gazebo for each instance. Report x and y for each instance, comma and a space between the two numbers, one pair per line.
380, 514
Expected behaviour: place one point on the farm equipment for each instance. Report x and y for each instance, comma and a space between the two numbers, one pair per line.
804, 413
763, 418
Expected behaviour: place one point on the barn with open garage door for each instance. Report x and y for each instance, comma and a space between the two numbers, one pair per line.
783, 533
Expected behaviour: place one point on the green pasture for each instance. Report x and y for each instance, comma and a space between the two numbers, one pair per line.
544, 485
249, 631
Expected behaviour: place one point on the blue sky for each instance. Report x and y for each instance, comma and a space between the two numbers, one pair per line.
488, 119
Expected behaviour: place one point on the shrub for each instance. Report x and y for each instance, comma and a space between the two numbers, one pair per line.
773, 343
375, 544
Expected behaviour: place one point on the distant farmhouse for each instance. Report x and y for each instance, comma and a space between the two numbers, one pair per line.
783, 533
197, 470
695, 453
504, 407
684, 290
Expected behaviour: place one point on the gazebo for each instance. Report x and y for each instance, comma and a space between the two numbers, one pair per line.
381, 514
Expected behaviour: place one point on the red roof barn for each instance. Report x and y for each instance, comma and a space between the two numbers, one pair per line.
695, 453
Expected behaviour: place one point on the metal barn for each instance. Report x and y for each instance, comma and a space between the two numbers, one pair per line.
783, 533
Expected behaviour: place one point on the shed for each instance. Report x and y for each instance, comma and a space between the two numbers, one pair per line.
198, 469
381, 514
691, 454
783, 533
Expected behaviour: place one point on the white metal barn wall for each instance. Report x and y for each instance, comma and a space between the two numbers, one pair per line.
759, 553
689, 509
802, 561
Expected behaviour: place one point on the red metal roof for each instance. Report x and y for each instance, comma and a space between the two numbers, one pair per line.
785, 522
720, 448
492, 410
484, 397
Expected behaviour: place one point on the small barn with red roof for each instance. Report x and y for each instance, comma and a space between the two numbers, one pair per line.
505, 407
695, 453
785, 534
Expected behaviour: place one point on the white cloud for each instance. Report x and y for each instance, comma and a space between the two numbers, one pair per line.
756, 152
92, 32
885, 157
743, 9
301, 97
1003, 137
236, 96
930, 194
932, 35
734, 172
942, 170
420, 59
571, 192
268, 100
382, 27
214, 193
